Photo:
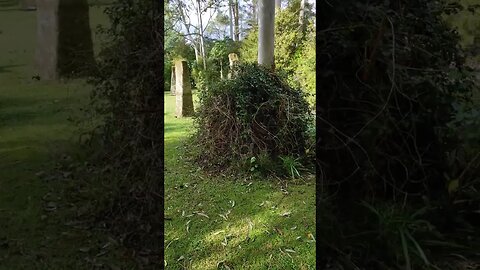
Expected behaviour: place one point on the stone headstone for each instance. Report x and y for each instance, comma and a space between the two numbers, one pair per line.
64, 41
172, 82
233, 59
28, 4
183, 90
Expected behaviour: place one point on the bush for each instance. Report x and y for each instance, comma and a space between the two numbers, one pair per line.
251, 115
128, 145
294, 48
384, 127
392, 76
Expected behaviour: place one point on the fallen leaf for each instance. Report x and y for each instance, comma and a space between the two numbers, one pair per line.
311, 236
202, 214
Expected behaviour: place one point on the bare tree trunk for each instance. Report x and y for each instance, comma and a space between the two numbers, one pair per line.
301, 18
278, 5
189, 35
254, 11
236, 16
197, 57
266, 32
230, 5
202, 44
221, 70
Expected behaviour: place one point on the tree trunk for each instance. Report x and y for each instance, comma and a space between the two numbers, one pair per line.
301, 18
202, 43
230, 5
278, 5
266, 33
254, 11
221, 70
197, 57
236, 16
195, 43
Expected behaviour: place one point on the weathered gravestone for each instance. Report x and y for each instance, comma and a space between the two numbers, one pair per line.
172, 82
28, 4
183, 90
233, 59
64, 41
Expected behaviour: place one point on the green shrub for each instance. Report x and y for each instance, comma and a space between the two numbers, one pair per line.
252, 114
294, 49
385, 119
291, 166
391, 77
128, 145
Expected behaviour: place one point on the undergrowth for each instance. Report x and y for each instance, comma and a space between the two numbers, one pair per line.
249, 122
125, 152
398, 174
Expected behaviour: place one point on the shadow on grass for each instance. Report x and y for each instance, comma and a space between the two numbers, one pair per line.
6, 69
265, 228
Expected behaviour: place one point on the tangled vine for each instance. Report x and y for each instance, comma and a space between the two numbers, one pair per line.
252, 114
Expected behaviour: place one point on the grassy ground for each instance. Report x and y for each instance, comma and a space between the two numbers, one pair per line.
34, 131
266, 228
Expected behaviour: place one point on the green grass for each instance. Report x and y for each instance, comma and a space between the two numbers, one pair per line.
257, 235
34, 132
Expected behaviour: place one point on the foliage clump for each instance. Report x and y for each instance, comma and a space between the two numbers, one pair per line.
254, 114
390, 113
127, 145
391, 78
294, 47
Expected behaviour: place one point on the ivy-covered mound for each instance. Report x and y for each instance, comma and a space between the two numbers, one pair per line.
254, 114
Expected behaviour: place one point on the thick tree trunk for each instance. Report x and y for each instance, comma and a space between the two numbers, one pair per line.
266, 33
64, 41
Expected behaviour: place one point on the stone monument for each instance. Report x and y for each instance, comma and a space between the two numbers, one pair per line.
64, 41
183, 90
172, 82
28, 4
233, 59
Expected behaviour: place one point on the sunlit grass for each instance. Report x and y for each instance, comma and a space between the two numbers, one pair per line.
249, 223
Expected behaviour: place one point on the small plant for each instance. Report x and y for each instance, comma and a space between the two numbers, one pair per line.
253, 164
291, 165
398, 227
